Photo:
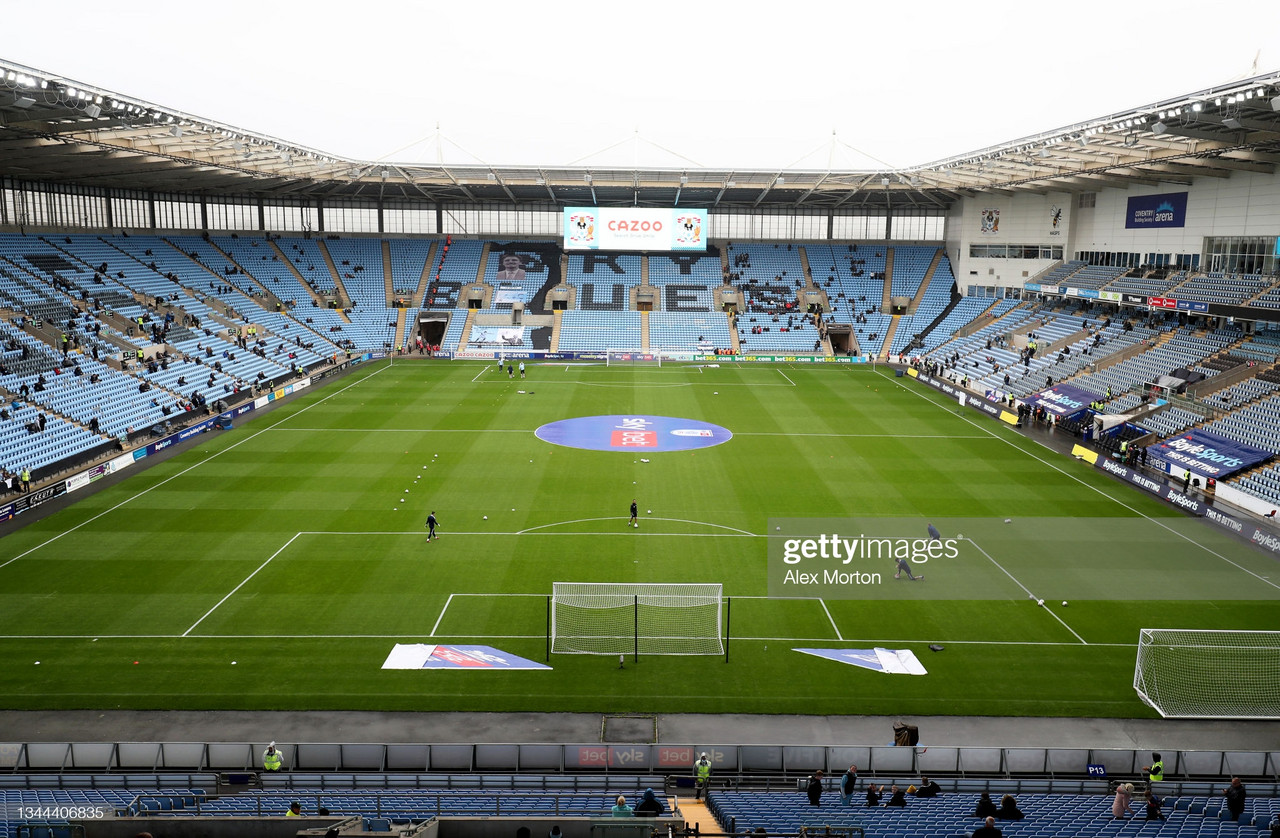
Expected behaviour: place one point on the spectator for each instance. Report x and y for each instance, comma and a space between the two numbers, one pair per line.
986, 807
1153, 806
848, 784
988, 829
1235, 795
621, 809
928, 788
295, 810
814, 788
874, 793
897, 797
1009, 810
1123, 801
649, 806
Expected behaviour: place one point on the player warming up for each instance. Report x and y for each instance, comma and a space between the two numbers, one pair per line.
635, 513
431, 526
903, 567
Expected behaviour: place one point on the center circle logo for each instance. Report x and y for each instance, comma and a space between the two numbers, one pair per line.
633, 433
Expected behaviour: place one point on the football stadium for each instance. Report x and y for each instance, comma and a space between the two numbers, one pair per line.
498, 493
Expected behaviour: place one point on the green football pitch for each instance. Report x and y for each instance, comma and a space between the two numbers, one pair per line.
276, 565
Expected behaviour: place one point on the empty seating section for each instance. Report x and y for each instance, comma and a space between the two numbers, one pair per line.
453, 332
1183, 350
1170, 421
687, 283
596, 331
408, 263
308, 260
989, 364
359, 263
1251, 389
853, 276
1264, 483
910, 263
1094, 277
679, 331
1060, 274
372, 321
1122, 404
604, 282
962, 315
1215, 288
1257, 425
937, 297
452, 269
23, 445
1264, 345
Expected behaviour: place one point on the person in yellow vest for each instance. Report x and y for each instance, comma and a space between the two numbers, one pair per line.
271, 760
295, 810
701, 773
26, 479
1155, 771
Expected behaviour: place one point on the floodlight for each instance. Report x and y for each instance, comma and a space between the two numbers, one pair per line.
22, 101
386, 173
93, 111
586, 178
884, 181
729, 184
1275, 104
781, 181
684, 179
176, 130
1159, 128
1232, 123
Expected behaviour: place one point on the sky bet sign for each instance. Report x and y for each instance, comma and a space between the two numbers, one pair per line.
1149, 211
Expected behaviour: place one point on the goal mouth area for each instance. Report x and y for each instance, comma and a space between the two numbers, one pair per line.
1209, 673
619, 618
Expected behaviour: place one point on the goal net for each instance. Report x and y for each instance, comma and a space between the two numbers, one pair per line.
618, 618
1203, 674
632, 357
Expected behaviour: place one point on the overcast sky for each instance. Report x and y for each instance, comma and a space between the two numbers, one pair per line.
672, 84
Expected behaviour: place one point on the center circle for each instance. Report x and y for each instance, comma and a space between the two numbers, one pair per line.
633, 433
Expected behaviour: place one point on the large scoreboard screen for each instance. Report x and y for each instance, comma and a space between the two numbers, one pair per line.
611, 228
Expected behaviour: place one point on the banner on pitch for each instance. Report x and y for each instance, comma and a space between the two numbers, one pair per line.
887, 661
434, 656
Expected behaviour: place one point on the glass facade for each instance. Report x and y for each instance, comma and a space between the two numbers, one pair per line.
70, 207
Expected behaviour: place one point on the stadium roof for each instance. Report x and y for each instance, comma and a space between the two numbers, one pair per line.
59, 131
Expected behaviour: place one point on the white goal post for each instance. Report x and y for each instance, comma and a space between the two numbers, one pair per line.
621, 618
632, 357
1209, 674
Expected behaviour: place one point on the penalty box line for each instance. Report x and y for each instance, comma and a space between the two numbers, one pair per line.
448, 601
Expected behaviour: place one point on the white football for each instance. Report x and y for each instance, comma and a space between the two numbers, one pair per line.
1064, 603
486, 517
1040, 602
648, 512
